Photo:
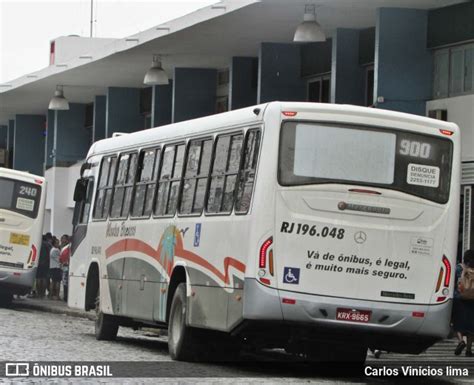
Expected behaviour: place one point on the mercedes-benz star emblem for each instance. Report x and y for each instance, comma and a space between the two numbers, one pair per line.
360, 237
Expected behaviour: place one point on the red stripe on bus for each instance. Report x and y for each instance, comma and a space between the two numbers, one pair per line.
142, 247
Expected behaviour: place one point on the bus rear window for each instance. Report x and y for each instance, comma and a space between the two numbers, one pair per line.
20, 197
315, 153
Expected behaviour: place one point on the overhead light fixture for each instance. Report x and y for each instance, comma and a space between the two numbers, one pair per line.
156, 74
58, 102
309, 30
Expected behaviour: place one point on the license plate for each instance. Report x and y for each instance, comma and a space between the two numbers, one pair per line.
352, 315
20, 239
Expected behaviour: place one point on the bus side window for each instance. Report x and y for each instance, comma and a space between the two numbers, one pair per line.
145, 183
132, 171
86, 206
119, 190
224, 173
104, 188
247, 174
195, 176
170, 180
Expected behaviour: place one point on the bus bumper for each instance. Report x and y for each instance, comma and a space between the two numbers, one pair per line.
391, 326
17, 281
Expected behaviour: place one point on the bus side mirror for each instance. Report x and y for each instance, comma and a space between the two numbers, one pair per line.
80, 190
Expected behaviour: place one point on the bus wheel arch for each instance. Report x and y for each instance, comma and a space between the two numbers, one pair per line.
178, 276
92, 286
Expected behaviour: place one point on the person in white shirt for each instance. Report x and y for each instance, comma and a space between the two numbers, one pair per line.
55, 272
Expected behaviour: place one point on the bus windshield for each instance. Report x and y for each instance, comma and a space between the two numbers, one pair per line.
20, 197
316, 153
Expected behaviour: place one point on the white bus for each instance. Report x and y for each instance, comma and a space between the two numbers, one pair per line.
322, 229
22, 202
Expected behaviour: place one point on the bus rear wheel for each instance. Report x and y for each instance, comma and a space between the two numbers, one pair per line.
106, 326
182, 344
6, 299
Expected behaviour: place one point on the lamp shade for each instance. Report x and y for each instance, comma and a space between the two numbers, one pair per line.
58, 101
309, 30
156, 74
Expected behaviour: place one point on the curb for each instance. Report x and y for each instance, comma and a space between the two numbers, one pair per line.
53, 309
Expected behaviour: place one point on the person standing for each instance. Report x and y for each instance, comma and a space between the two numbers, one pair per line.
55, 269
64, 260
463, 304
42, 272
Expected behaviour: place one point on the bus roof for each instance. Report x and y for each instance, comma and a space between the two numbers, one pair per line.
252, 115
8, 172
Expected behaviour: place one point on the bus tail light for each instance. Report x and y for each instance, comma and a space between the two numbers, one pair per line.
446, 132
32, 256
418, 314
447, 274
289, 113
262, 262
34, 253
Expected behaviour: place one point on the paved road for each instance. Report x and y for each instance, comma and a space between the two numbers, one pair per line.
29, 335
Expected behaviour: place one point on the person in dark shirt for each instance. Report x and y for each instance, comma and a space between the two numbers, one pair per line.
463, 310
42, 272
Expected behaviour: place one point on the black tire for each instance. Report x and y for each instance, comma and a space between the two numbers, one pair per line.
6, 299
106, 325
181, 338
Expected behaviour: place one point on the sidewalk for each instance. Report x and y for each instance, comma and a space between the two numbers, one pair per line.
51, 306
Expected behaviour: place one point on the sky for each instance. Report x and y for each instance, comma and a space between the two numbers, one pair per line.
26, 27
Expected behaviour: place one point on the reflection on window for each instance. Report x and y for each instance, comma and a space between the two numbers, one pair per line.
247, 174
224, 173
170, 180
195, 176
105, 188
146, 182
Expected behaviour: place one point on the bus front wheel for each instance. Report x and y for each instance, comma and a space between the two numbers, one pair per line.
181, 341
106, 326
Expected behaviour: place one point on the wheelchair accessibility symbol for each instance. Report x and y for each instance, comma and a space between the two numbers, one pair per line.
291, 275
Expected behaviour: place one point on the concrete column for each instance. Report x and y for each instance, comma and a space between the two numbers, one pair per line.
3, 136
100, 106
11, 134
403, 66
347, 76
123, 111
49, 139
3, 144
29, 143
194, 93
243, 82
161, 104
59, 203
71, 139
280, 73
